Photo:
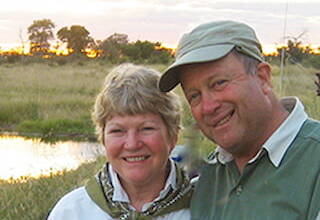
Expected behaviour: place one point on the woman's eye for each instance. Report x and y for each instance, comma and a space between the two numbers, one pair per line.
116, 131
148, 128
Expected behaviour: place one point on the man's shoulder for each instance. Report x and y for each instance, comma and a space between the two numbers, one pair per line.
311, 130
306, 145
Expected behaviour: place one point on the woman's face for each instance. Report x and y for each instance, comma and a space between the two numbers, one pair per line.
138, 147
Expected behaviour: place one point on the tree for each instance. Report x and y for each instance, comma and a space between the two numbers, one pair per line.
294, 50
318, 84
146, 51
118, 38
77, 38
40, 32
113, 46
139, 50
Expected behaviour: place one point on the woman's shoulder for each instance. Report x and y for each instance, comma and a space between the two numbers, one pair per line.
69, 203
76, 205
75, 197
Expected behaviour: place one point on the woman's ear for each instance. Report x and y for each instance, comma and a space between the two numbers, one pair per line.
103, 141
264, 74
173, 141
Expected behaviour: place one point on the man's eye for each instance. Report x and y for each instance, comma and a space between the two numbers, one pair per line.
192, 98
220, 84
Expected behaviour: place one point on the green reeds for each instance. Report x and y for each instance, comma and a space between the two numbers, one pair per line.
32, 198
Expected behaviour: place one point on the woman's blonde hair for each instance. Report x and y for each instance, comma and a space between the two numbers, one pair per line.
130, 89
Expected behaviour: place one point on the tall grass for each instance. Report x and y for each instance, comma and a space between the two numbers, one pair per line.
297, 80
36, 96
52, 100
32, 199
44, 99
38, 91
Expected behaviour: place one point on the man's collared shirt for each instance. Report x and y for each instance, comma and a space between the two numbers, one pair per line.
281, 182
280, 140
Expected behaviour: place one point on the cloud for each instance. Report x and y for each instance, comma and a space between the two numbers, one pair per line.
161, 20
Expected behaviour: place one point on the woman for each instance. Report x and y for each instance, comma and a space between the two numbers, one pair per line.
138, 125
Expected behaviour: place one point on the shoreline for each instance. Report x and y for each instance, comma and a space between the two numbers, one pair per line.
50, 137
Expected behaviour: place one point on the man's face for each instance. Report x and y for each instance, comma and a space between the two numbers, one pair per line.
231, 107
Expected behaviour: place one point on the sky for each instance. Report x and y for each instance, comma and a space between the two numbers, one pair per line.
163, 20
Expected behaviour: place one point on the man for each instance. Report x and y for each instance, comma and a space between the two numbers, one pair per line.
267, 165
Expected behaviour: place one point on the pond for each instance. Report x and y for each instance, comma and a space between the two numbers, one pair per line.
31, 157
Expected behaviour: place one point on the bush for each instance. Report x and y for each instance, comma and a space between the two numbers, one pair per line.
313, 61
56, 126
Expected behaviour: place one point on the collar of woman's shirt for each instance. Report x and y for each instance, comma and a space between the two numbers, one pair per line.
120, 194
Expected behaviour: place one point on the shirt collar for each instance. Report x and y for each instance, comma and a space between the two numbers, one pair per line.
281, 139
119, 194
278, 143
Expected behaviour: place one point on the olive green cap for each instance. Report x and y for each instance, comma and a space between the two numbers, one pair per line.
208, 42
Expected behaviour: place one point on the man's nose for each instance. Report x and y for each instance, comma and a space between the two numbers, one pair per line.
209, 103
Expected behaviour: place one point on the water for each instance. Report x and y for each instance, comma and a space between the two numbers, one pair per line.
30, 157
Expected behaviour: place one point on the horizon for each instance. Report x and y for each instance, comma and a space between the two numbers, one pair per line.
268, 49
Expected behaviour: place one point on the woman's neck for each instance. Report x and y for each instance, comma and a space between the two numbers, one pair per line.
140, 194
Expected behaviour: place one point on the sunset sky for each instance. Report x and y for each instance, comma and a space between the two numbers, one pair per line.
162, 20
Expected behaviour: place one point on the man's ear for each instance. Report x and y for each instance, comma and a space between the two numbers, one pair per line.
264, 74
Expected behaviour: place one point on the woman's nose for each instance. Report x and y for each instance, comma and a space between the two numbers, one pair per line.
132, 141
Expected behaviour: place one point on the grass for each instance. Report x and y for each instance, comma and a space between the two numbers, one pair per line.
39, 98
51, 100
40, 93
298, 81
31, 198
55, 101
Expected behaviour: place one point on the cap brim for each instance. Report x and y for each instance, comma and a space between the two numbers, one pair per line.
170, 77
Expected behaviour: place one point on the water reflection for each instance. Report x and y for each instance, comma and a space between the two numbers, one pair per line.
30, 157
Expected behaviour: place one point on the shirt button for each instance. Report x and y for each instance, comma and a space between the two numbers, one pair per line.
239, 190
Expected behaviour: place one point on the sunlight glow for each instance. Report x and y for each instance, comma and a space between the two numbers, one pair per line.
315, 49
59, 49
269, 49
20, 157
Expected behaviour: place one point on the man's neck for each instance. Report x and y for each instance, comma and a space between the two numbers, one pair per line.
242, 160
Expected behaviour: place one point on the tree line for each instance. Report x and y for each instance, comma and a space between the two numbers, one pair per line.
294, 52
116, 48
